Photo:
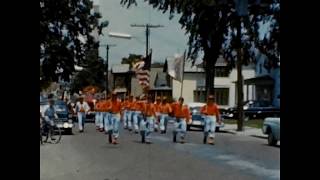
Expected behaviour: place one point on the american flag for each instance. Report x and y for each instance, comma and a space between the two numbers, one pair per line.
142, 70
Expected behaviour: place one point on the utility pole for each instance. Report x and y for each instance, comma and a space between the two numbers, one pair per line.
107, 65
242, 11
147, 26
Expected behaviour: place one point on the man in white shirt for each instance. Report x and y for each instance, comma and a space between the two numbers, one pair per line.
82, 108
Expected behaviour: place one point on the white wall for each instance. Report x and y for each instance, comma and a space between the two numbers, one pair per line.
190, 84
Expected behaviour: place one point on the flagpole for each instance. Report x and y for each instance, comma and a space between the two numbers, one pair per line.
183, 61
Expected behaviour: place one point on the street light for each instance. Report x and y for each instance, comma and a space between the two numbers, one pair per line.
120, 35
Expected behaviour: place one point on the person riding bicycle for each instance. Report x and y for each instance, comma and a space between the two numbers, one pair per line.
49, 115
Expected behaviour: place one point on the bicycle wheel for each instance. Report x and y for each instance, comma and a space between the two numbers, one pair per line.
55, 135
45, 134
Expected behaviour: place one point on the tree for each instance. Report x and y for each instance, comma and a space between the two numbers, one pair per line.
131, 59
211, 25
66, 28
91, 74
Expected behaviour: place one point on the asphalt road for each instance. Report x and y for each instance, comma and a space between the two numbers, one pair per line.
88, 156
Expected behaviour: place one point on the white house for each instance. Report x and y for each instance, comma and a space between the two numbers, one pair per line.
224, 83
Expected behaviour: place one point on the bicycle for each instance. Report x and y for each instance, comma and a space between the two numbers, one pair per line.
50, 130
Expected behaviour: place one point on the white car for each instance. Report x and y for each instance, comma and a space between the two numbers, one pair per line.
197, 118
271, 127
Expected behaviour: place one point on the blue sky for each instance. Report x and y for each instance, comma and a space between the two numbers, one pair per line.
165, 41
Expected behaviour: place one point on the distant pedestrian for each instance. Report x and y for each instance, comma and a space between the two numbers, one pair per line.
212, 116
82, 108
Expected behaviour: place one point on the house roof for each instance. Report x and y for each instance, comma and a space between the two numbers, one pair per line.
199, 67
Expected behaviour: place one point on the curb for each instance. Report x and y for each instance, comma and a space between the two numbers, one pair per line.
248, 131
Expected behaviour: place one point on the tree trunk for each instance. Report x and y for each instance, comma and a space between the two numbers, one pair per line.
210, 60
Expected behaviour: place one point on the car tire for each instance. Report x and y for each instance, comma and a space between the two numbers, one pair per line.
188, 127
217, 129
271, 139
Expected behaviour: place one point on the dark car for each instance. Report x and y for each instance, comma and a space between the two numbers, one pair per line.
254, 110
64, 117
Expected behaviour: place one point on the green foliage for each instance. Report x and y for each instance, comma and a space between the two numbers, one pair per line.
62, 22
92, 74
131, 59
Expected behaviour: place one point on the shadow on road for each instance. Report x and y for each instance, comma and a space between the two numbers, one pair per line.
224, 131
195, 130
261, 137
277, 146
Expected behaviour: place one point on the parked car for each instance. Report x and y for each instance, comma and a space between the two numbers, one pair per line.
254, 110
271, 127
197, 119
64, 117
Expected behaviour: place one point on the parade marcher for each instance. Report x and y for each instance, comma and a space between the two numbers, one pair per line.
99, 115
96, 113
212, 116
165, 110
147, 123
137, 107
182, 115
157, 105
115, 119
82, 108
127, 113
106, 115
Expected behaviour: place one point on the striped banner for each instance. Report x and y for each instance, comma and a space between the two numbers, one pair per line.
142, 70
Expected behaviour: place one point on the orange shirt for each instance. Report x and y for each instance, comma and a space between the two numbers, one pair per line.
115, 106
165, 108
149, 109
138, 106
157, 107
211, 110
181, 111
105, 107
126, 104
98, 107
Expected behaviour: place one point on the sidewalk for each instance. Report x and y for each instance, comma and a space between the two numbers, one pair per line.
248, 131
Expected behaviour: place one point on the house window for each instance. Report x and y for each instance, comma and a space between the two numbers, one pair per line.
221, 72
221, 95
199, 95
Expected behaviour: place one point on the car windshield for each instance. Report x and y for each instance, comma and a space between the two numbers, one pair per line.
195, 110
197, 117
60, 107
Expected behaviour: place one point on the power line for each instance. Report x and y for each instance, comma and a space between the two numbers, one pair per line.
147, 26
